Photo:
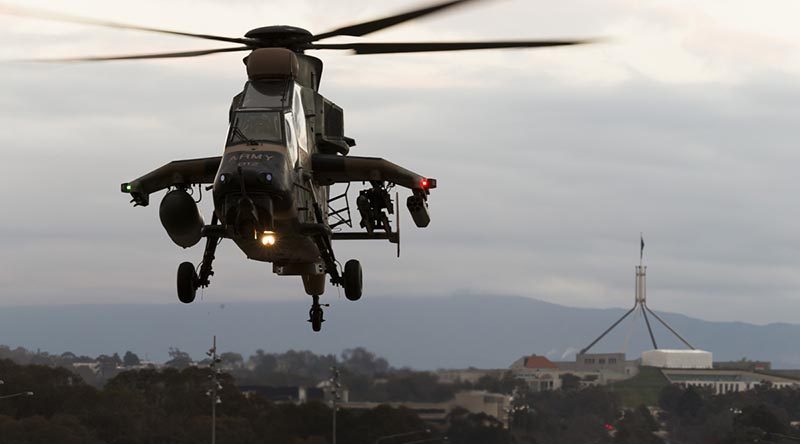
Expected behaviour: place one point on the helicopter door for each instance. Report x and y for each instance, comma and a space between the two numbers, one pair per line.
300, 122
291, 138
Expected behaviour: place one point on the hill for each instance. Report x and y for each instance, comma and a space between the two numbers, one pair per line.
451, 332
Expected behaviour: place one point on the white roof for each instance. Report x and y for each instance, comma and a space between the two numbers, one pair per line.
677, 359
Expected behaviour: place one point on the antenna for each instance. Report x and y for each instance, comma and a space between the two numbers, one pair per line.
640, 303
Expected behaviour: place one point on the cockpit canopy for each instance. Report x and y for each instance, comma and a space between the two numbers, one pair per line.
270, 112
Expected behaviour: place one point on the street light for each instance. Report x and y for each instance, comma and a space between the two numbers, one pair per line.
215, 387
335, 387
401, 435
16, 395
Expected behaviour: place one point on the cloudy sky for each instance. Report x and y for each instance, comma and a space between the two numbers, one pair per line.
682, 125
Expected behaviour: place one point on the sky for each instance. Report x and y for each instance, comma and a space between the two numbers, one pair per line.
681, 124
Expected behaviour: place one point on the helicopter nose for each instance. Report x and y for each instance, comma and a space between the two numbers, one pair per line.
253, 172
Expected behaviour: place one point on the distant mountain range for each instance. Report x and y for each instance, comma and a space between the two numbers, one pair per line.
442, 332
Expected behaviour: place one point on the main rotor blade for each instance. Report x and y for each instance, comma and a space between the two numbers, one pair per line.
163, 55
392, 48
365, 28
54, 16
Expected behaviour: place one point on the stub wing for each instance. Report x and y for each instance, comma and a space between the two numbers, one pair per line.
179, 172
330, 169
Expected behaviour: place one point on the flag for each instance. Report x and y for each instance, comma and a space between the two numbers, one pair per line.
641, 249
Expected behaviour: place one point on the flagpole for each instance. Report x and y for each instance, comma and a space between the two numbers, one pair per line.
641, 248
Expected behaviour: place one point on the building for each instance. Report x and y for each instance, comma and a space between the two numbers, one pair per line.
492, 404
600, 368
672, 359
744, 364
540, 373
602, 362
293, 395
726, 381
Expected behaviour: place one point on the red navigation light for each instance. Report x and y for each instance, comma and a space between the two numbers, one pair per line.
427, 183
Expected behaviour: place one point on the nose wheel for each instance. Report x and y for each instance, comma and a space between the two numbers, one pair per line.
315, 315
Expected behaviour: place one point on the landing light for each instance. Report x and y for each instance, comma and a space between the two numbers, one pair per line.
268, 239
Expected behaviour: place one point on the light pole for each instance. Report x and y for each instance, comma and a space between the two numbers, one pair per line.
16, 395
215, 387
335, 386
513, 408
401, 435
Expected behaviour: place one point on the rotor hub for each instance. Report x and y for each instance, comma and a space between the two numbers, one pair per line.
279, 35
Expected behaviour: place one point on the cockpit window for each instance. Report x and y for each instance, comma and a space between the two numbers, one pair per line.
266, 95
252, 126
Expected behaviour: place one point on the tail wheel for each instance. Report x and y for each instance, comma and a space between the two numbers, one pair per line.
315, 317
187, 282
352, 280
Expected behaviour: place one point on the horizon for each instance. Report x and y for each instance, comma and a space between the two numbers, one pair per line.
471, 335
301, 300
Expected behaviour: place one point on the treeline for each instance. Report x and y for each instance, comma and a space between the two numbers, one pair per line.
170, 407
761, 415
683, 416
368, 377
565, 416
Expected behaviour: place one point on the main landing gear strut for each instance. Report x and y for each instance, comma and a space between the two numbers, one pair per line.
188, 279
191, 278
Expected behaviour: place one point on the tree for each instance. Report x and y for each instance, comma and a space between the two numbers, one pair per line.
762, 418
471, 428
178, 359
231, 360
130, 359
637, 427
361, 361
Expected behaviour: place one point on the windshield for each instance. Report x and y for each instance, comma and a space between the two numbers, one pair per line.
256, 127
266, 95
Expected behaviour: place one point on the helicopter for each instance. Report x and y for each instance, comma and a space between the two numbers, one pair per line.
286, 147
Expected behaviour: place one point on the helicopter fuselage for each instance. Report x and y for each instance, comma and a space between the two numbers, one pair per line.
263, 188
271, 187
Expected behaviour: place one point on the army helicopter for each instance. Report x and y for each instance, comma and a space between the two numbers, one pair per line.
286, 146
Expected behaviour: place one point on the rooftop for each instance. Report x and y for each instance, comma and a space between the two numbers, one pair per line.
536, 361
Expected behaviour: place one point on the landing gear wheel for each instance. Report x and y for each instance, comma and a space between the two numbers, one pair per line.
187, 282
352, 280
315, 315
